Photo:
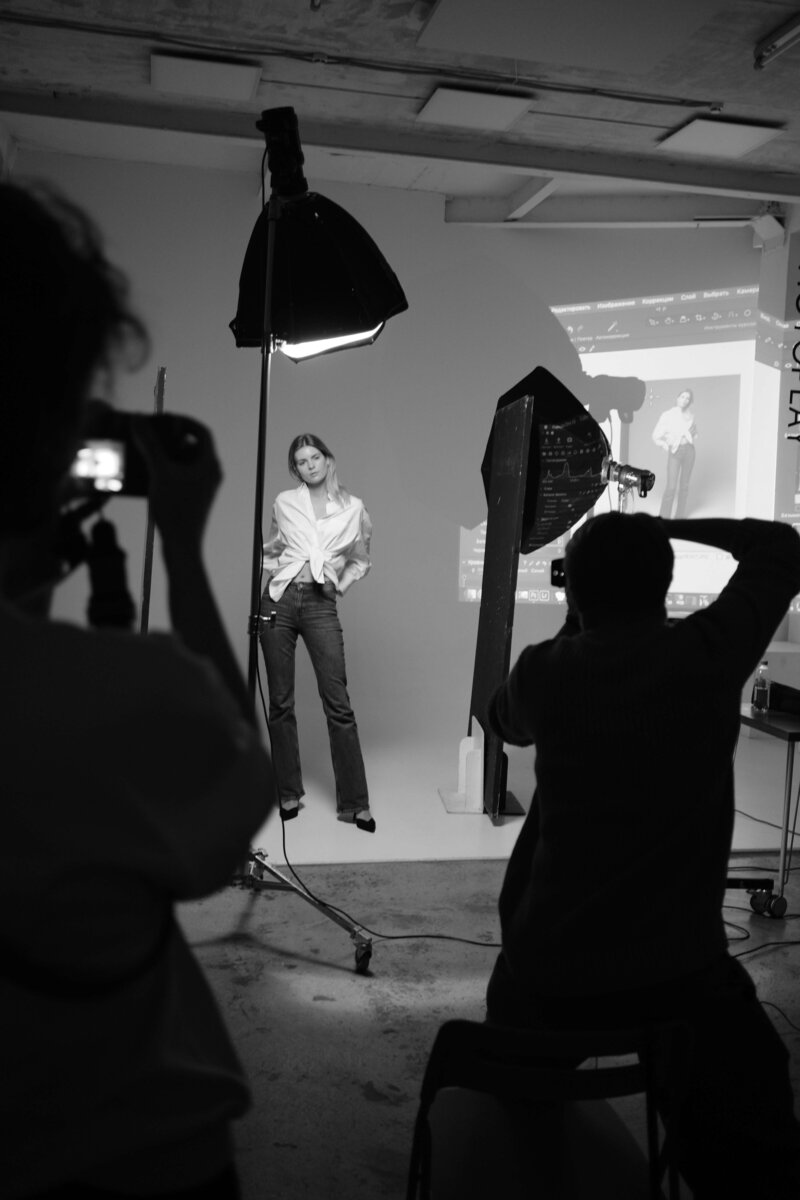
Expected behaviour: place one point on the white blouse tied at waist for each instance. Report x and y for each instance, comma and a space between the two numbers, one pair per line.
675, 428
335, 546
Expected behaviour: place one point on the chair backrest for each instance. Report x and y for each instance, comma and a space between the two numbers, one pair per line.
528, 1067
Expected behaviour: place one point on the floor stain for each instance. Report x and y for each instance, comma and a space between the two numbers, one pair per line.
370, 1092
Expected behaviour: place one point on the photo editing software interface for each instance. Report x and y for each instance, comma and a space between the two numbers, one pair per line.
732, 360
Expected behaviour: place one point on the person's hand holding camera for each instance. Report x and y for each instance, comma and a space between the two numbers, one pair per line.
185, 475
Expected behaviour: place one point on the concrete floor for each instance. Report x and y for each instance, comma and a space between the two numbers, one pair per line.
336, 1058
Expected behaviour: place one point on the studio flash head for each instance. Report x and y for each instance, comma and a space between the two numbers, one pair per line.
627, 477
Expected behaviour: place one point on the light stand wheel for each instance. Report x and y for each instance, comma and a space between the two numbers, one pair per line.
363, 956
766, 904
759, 901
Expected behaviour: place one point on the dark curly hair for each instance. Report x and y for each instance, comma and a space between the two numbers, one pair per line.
64, 316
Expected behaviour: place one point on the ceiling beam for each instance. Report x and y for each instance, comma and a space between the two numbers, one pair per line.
717, 179
528, 197
500, 210
720, 178
614, 212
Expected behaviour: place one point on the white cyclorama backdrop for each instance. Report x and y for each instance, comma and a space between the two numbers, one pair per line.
407, 419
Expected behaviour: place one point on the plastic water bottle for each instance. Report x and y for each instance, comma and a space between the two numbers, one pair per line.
760, 697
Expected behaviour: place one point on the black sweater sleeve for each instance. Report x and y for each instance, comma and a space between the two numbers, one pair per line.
736, 629
506, 714
507, 710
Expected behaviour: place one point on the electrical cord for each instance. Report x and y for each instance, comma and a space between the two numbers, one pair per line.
765, 946
754, 950
739, 929
743, 866
770, 1004
384, 937
790, 851
741, 908
759, 820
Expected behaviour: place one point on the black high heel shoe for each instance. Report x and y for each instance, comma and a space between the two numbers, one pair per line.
365, 823
287, 814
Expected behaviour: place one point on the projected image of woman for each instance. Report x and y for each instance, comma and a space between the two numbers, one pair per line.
676, 432
317, 547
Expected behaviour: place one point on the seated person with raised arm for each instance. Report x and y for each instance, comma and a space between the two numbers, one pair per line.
611, 908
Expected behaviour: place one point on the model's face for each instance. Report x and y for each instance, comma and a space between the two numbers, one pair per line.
311, 465
684, 400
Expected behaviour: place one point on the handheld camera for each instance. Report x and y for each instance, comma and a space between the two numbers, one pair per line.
110, 462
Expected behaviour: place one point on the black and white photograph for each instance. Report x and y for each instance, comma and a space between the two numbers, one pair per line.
399, 600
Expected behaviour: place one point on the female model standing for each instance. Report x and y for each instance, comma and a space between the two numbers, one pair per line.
317, 547
676, 432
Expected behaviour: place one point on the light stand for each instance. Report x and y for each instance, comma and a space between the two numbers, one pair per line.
267, 350
313, 282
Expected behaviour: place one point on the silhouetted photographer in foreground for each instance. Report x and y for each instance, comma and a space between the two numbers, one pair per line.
133, 776
611, 908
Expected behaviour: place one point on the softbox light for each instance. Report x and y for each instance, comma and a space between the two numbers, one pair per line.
329, 279
564, 474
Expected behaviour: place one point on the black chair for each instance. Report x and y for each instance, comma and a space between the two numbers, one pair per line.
535, 1078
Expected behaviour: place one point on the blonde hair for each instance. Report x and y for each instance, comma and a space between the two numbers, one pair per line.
335, 490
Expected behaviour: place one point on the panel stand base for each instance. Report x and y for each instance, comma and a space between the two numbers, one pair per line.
460, 802
468, 796
509, 807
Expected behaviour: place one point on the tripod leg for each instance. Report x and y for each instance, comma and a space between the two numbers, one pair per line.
258, 865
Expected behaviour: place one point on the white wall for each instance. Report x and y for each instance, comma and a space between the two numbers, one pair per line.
407, 418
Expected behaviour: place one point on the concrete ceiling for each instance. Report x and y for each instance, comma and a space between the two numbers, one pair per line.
602, 85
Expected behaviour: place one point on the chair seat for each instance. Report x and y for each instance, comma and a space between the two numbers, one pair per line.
575, 1151
508, 1112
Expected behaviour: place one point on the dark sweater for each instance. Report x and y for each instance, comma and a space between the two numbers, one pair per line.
617, 878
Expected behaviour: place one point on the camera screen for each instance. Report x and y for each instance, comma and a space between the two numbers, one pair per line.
100, 466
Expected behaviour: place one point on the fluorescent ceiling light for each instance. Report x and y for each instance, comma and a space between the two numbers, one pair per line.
215, 79
718, 139
473, 110
777, 42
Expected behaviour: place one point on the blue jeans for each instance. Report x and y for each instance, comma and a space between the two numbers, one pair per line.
679, 472
309, 609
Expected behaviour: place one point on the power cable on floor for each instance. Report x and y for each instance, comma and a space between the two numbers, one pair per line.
770, 1004
384, 937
